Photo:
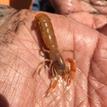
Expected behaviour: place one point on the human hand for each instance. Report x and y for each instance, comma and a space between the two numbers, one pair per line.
20, 58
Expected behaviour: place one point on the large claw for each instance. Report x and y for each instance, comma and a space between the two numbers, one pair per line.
70, 74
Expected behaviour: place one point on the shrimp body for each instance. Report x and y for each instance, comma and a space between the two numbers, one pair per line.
47, 34
58, 66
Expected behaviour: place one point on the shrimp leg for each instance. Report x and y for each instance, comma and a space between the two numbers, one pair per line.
52, 86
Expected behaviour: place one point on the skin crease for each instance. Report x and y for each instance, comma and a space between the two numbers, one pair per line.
19, 59
92, 10
69, 6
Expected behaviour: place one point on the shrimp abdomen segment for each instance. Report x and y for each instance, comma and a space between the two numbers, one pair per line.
46, 31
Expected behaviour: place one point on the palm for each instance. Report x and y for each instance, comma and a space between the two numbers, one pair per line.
89, 86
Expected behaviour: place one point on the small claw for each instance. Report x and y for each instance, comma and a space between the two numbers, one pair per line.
52, 86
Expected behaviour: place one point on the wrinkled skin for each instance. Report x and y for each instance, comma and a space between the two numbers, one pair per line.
71, 6
92, 10
20, 58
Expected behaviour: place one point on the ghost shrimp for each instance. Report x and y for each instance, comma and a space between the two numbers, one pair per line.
57, 65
